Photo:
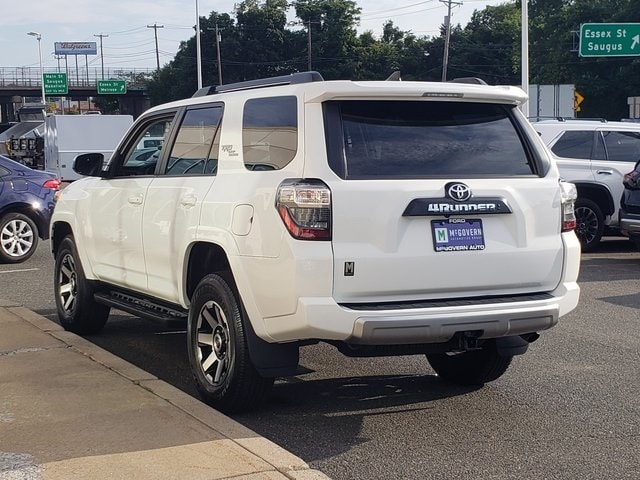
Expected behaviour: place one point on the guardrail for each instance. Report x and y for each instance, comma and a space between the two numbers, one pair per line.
80, 77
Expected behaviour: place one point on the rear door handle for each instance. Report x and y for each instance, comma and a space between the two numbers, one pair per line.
606, 171
135, 199
188, 201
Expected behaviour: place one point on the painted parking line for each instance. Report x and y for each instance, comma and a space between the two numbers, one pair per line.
20, 270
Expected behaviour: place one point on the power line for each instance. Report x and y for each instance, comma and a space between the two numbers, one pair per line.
391, 10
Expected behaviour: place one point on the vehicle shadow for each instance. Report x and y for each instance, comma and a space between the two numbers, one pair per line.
314, 418
319, 419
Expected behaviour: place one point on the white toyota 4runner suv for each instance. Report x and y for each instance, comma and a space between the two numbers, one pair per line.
385, 218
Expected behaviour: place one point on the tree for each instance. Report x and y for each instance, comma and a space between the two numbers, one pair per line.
334, 35
489, 46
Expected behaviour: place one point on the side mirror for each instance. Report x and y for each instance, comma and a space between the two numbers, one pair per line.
89, 164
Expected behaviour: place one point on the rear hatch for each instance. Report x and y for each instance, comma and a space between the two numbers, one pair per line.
438, 200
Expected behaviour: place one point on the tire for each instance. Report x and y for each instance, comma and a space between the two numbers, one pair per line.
78, 312
18, 238
475, 367
589, 223
217, 347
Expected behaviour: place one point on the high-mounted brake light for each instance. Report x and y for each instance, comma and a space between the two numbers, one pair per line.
305, 208
568, 196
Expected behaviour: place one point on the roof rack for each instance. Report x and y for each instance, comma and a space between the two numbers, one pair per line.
294, 78
472, 80
567, 119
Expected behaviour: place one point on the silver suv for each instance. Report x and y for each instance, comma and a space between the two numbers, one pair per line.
595, 155
386, 218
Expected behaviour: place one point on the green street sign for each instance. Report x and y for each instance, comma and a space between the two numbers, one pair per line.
55, 83
112, 87
609, 39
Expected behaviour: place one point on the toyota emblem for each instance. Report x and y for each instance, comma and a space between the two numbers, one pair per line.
458, 192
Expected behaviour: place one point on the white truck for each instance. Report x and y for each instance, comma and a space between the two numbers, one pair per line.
67, 136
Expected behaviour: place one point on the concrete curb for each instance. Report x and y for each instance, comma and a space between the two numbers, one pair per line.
282, 460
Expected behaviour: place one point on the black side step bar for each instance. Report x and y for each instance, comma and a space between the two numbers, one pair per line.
140, 307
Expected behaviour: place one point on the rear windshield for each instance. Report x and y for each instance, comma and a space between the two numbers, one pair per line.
402, 139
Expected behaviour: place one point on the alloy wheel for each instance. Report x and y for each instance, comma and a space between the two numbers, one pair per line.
17, 238
586, 224
214, 350
67, 283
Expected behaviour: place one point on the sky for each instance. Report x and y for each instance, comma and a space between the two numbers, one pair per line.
130, 43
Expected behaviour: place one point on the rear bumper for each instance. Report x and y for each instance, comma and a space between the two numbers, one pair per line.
630, 225
440, 327
321, 318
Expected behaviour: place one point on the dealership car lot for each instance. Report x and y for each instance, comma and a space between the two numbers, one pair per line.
570, 410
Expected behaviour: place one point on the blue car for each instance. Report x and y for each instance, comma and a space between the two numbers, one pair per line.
27, 198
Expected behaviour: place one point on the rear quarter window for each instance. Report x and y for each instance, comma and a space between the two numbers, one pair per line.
421, 139
574, 144
269, 132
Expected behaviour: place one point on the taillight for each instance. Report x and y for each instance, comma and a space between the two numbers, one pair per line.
53, 184
568, 196
305, 208
631, 180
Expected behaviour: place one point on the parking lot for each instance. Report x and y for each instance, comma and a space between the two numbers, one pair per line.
569, 408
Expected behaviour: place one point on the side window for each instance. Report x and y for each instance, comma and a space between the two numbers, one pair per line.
574, 144
195, 151
143, 157
622, 146
4, 172
269, 132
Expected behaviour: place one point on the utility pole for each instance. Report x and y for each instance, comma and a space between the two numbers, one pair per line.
218, 39
447, 38
308, 25
101, 36
58, 58
155, 27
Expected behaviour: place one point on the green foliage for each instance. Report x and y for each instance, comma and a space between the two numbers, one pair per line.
258, 42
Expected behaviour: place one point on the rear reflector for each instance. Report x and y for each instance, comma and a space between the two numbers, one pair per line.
304, 206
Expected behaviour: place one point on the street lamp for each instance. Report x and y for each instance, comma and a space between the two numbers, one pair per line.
198, 52
39, 38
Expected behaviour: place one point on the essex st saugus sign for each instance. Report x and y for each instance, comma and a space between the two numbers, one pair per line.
609, 39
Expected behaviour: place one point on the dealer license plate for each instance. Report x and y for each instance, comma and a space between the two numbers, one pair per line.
457, 235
